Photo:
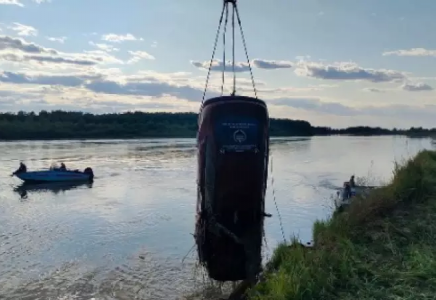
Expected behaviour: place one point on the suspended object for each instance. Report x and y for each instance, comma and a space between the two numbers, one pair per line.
233, 151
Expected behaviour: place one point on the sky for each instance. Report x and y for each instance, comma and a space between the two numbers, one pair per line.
333, 63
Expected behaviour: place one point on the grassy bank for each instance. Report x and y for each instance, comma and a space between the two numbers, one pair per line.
381, 248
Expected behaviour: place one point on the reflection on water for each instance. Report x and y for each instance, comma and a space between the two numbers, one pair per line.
53, 187
125, 236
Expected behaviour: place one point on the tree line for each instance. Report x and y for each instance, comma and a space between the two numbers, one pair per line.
77, 125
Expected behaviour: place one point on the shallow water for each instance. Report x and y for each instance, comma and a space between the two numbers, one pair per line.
125, 236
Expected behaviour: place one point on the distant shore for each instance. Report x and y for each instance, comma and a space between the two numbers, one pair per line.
61, 125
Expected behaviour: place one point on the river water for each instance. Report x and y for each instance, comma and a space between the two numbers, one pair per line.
126, 235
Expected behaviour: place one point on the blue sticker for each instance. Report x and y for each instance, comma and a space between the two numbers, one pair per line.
237, 134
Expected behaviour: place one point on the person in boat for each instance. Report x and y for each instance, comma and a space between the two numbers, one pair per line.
21, 169
63, 167
347, 190
352, 183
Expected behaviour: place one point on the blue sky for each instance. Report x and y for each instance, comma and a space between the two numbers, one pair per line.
336, 63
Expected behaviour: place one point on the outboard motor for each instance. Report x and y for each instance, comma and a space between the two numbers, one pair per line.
233, 152
89, 171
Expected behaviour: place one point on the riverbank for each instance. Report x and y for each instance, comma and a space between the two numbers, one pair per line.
380, 248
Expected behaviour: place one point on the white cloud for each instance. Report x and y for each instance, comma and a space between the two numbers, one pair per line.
154, 44
271, 64
61, 39
346, 71
416, 87
118, 38
42, 59
138, 55
412, 52
12, 43
24, 30
337, 71
104, 47
374, 90
217, 65
11, 2
41, 1
338, 109
19, 51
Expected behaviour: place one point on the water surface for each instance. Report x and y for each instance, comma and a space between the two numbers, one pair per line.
126, 235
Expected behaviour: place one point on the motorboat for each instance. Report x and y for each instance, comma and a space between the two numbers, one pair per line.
346, 194
54, 174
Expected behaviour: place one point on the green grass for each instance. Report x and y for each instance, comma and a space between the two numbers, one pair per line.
383, 247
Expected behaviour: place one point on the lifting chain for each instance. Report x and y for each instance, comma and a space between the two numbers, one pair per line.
235, 13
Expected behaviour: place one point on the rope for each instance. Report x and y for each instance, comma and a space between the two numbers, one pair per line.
235, 12
275, 202
224, 49
245, 48
233, 50
213, 52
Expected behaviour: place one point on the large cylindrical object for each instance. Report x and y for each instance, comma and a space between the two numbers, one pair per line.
233, 152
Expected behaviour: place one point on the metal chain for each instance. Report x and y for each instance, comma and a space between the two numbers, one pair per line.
245, 48
275, 202
233, 50
213, 52
235, 12
224, 50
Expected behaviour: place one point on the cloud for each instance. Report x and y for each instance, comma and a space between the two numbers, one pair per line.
337, 71
74, 99
42, 79
315, 104
338, 109
41, 1
99, 56
12, 57
154, 44
271, 64
416, 87
217, 65
284, 90
412, 52
7, 42
138, 55
18, 50
24, 30
99, 83
11, 2
346, 71
61, 39
104, 47
374, 90
153, 89
118, 38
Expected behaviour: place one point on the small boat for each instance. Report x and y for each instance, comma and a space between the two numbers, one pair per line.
53, 175
346, 194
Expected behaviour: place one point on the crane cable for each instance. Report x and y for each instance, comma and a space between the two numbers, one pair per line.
235, 13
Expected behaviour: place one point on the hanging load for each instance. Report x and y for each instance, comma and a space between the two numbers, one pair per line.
233, 145
233, 152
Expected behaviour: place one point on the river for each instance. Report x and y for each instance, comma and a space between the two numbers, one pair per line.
127, 234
